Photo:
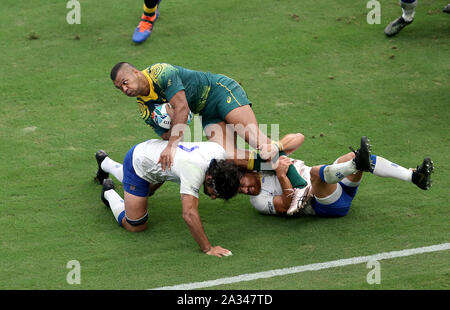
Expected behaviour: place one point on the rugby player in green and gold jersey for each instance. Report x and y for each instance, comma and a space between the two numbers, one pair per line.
218, 99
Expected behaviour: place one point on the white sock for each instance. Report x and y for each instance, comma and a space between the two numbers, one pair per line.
115, 202
113, 167
385, 168
409, 10
332, 174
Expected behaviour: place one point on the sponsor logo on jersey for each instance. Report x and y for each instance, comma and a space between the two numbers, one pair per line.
195, 189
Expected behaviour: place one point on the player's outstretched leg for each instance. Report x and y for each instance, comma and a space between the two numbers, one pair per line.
148, 18
408, 8
106, 166
324, 175
360, 160
327, 182
422, 175
101, 175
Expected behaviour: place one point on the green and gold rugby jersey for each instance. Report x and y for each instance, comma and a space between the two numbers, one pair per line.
165, 81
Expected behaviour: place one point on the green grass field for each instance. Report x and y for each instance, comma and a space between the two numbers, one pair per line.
315, 67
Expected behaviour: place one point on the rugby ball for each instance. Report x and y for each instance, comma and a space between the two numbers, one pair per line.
161, 117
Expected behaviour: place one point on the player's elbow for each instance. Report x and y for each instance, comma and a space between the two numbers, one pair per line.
189, 209
292, 142
298, 141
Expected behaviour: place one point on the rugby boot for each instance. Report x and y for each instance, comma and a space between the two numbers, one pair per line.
301, 199
422, 175
101, 175
108, 184
362, 159
145, 26
446, 9
396, 26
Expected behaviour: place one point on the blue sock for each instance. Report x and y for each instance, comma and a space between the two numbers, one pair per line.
322, 177
374, 160
120, 217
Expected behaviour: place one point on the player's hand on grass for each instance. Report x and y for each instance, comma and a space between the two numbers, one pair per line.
219, 251
282, 165
166, 157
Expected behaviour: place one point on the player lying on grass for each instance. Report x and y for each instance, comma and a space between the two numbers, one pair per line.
331, 188
141, 175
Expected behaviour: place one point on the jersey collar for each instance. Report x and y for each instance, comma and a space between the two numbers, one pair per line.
152, 95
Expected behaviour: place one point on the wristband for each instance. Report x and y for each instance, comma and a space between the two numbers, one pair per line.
279, 145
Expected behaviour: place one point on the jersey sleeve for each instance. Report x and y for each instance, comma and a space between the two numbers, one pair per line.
191, 179
167, 78
263, 203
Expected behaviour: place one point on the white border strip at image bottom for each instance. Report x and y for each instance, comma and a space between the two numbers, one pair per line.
311, 267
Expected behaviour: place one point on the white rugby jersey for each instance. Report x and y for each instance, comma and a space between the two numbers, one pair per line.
271, 187
190, 163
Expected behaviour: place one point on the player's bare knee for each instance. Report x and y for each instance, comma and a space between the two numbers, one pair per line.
300, 136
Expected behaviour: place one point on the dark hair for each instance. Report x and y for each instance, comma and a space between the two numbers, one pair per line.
117, 68
225, 178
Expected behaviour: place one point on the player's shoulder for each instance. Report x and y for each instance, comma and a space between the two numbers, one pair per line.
154, 142
212, 144
214, 149
158, 70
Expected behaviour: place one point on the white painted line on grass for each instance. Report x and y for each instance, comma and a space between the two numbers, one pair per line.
311, 267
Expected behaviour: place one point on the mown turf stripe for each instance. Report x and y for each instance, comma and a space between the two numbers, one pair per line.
311, 267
